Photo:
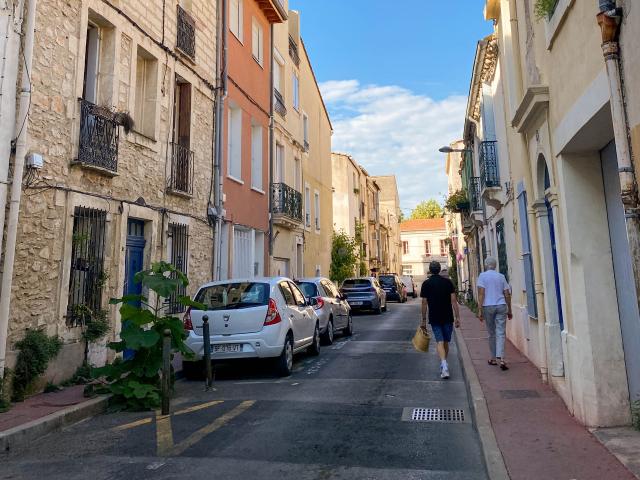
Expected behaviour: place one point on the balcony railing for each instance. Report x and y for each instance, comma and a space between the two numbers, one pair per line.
278, 103
286, 201
489, 165
99, 135
474, 194
293, 51
181, 180
186, 41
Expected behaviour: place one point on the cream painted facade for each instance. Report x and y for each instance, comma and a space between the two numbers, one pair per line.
423, 242
346, 193
106, 201
391, 245
302, 201
557, 190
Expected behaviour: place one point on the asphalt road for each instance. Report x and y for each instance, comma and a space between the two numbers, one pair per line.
343, 415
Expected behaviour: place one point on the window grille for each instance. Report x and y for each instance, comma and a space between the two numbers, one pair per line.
178, 243
99, 135
87, 276
186, 40
181, 179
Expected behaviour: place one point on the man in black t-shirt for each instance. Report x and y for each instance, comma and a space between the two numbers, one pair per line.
439, 299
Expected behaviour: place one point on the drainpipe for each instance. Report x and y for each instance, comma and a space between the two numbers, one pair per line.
221, 95
16, 187
271, 147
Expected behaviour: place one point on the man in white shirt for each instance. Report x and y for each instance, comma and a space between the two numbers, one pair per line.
494, 300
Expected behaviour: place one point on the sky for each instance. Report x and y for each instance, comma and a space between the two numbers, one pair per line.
395, 81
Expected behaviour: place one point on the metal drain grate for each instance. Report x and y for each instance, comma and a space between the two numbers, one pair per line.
437, 415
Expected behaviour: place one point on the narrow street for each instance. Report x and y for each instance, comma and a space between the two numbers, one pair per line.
343, 415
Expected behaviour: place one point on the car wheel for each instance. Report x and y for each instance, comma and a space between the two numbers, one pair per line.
348, 331
314, 348
284, 363
327, 337
193, 370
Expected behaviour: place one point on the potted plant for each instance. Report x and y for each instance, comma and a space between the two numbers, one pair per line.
457, 202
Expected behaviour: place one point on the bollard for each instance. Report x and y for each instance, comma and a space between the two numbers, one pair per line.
166, 371
207, 351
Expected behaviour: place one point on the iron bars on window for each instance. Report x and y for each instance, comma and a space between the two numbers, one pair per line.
286, 201
87, 276
489, 164
474, 194
181, 180
178, 245
99, 135
278, 103
293, 51
186, 40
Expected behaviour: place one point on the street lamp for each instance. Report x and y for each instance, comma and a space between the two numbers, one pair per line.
448, 149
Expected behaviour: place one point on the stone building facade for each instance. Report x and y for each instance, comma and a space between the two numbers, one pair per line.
108, 202
391, 256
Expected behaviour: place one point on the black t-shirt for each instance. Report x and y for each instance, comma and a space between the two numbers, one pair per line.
437, 290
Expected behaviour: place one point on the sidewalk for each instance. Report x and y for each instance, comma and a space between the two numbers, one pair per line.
535, 432
44, 413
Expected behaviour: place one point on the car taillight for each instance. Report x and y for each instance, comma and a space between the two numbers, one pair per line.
273, 316
319, 304
186, 320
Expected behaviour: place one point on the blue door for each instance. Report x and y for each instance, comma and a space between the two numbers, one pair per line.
554, 254
134, 263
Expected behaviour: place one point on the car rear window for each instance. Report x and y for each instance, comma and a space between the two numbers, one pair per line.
230, 296
308, 289
356, 282
387, 280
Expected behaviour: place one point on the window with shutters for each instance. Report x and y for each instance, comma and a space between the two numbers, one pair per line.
443, 248
316, 202
296, 91
256, 157
427, 247
87, 275
235, 18
527, 259
257, 41
178, 250
234, 148
146, 93
405, 247
307, 206
181, 179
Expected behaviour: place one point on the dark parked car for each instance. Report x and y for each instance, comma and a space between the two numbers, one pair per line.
364, 294
393, 287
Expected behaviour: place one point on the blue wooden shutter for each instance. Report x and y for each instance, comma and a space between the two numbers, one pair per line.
526, 252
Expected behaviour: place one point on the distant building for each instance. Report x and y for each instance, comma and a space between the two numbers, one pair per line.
390, 223
423, 241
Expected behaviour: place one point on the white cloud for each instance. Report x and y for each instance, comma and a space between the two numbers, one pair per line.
391, 130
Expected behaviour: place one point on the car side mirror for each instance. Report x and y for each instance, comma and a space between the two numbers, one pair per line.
312, 302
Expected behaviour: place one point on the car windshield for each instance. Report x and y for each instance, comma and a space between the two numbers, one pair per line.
231, 296
308, 289
356, 283
387, 280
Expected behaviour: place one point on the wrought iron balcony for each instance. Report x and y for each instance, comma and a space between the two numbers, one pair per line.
489, 165
181, 179
186, 40
474, 194
278, 103
286, 202
99, 135
293, 51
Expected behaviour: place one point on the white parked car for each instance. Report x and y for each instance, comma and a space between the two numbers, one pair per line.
255, 318
331, 307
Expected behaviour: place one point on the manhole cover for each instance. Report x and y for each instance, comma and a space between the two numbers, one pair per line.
517, 394
440, 415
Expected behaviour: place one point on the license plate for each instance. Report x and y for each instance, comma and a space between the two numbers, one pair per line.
228, 348
355, 303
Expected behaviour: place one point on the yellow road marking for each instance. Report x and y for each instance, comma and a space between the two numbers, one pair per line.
195, 408
212, 427
137, 423
164, 435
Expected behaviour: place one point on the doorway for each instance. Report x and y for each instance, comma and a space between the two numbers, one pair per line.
134, 263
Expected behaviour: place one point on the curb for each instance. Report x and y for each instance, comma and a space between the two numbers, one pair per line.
20, 436
496, 468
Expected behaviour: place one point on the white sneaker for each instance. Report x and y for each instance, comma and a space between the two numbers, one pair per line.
444, 372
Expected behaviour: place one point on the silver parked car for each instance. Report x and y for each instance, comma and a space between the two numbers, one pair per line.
331, 307
365, 293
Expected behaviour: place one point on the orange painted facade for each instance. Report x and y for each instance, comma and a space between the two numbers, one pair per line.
249, 90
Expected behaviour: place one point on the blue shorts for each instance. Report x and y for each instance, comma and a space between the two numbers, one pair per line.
442, 331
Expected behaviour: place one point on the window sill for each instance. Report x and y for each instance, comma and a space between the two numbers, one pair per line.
258, 190
259, 62
234, 179
101, 170
553, 25
237, 37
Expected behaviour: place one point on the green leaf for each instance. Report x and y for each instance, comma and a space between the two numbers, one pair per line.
187, 302
138, 316
127, 299
136, 338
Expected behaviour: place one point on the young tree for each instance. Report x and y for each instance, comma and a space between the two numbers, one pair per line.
344, 257
427, 209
